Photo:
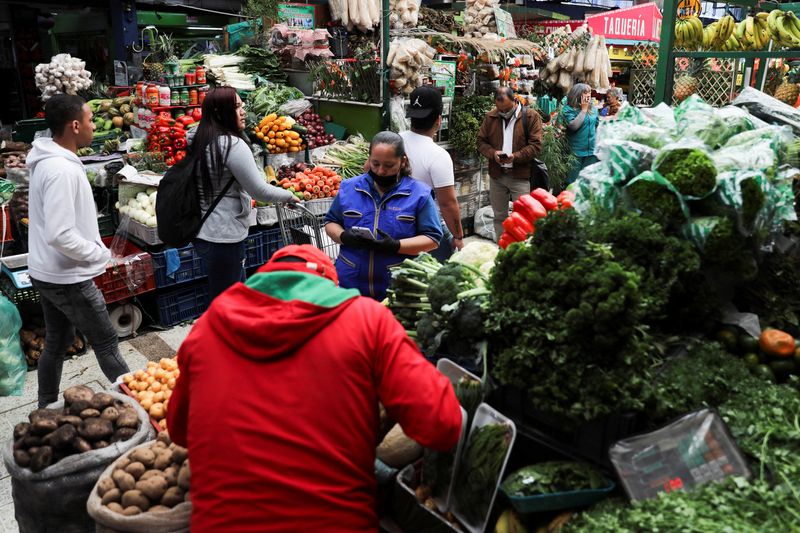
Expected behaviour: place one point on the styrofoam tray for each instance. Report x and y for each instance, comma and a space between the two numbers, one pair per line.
484, 416
445, 503
453, 371
406, 474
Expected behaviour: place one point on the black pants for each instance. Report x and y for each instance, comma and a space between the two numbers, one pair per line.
66, 307
224, 263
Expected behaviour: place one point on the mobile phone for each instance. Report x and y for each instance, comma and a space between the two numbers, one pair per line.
362, 232
502, 156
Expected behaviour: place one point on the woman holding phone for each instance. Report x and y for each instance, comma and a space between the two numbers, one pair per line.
380, 218
581, 120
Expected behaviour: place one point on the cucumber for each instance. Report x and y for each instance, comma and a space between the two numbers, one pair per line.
299, 129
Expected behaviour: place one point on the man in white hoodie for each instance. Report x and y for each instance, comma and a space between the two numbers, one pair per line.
64, 247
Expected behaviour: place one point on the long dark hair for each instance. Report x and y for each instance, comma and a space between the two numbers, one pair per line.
219, 120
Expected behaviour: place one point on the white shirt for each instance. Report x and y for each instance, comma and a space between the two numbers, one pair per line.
430, 163
508, 135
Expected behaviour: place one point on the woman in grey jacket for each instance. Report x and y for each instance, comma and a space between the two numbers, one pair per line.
221, 240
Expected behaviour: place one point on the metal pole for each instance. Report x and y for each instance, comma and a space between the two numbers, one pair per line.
384, 66
665, 70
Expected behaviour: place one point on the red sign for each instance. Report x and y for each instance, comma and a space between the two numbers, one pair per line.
545, 26
637, 23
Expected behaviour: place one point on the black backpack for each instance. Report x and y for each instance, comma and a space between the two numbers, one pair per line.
539, 177
178, 210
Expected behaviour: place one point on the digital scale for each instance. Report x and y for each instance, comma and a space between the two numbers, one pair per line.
16, 268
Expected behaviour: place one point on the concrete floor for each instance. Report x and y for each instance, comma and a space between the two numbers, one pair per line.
82, 370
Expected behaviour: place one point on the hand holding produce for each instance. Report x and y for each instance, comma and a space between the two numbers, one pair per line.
88, 421
316, 130
152, 388
153, 478
64, 74
281, 134
308, 183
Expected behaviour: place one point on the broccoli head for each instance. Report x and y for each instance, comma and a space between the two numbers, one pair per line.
655, 202
691, 171
450, 280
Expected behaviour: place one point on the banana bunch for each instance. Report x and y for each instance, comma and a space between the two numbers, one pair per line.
689, 33
783, 27
717, 33
753, 32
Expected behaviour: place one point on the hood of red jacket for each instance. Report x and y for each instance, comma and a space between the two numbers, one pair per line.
274, 314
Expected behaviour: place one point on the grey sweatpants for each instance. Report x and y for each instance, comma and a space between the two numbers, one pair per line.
66, 307
500, 191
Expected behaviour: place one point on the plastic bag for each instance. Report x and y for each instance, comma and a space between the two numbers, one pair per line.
652, 203
295, 108
397, 115
696, 119
698, 229
688, 166
736, 121
128, 264
176, 520
630, 124
746, 193
780, 198
662, 115
55, 498
625, 159
13, 367
757, 155
484, 223
692, 451
595, 189
768, 108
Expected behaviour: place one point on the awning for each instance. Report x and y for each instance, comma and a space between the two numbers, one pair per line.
547, 26
637, 23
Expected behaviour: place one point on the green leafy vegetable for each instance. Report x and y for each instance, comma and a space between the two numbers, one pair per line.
691, 171
554, 476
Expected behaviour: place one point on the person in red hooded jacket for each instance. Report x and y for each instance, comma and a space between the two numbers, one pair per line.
277, 401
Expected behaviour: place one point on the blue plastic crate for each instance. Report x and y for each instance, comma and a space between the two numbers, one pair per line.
180, 305
191, 267
255, 250
273, 241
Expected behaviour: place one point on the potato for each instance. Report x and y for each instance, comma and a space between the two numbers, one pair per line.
95, 429
136, 469
43, 426
21, 430
110, 413
42, 414
163, 459
76, 408
89, 413
172, 497
33, 450
101, 400
144, 456
171, 475
187, 497
68, 419
116, 507
122, 463
78, 393
22, 458
100, 444
128, 419
153, 487
179, 454
123, 434
135, 498
41, 459
62, 437
152, 473
133, 510
113, 495
184, 476
163, 436
105, 485
124, 480
32, 440
81, 445
158, 509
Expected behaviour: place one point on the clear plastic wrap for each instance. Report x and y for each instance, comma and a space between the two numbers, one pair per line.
745, 192
768, 108
696, 119
595, 190
625, 159
631, 125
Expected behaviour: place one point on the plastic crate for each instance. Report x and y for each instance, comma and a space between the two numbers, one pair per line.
5, 224
25, 130
106, 225
126, 390
273, 241
183, 304
126, 280
144, 233
191, 267
255, 250
16, 295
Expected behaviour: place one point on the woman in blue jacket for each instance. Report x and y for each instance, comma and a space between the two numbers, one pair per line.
398, 211
581, 121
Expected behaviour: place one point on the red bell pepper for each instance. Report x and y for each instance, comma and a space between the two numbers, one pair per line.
168, 151
162, 129
544, 197
180, 154
179, 143
170, 161
186, 120
517, 226
505, 240
529, 208
565, 199
197, 114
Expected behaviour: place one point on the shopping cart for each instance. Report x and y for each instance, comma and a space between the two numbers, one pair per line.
303, 223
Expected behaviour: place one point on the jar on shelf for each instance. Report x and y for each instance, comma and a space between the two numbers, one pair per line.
189, 78
192, 96
152, 95
201, 95
200, 75
139, 92
175, 97
164, 95
184, 97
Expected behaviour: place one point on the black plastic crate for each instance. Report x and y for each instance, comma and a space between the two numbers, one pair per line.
272, 242
106, 225
192, 267
255, 250
16, 295
183, 304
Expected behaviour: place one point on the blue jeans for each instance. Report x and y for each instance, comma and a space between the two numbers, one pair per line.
224, 264
66, 307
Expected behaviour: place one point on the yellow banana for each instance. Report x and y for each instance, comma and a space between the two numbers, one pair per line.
739, 30
794, 25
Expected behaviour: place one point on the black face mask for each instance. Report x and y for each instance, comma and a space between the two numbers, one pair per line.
384, 182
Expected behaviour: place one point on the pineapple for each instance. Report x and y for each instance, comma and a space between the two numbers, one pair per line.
788, 91
688, 84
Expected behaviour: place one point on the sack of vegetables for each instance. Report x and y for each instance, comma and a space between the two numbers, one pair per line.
145, 490
55, 459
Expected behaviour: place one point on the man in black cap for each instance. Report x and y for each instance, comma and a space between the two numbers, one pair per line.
430, 163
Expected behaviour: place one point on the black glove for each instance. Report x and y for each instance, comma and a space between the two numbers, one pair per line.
352, 240
387, 244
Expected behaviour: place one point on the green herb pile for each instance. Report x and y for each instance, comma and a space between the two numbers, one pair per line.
466, 120
262, 62
557, 155
691, 171
656, 202
565, 324
269, 98
554, 476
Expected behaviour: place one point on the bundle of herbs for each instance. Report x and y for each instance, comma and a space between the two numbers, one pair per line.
556, 154
468, 115
262, 62
565, 324
552, 477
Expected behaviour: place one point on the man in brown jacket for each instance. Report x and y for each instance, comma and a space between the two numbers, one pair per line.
502, 141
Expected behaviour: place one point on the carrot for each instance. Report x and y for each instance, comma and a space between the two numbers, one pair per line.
306, 195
